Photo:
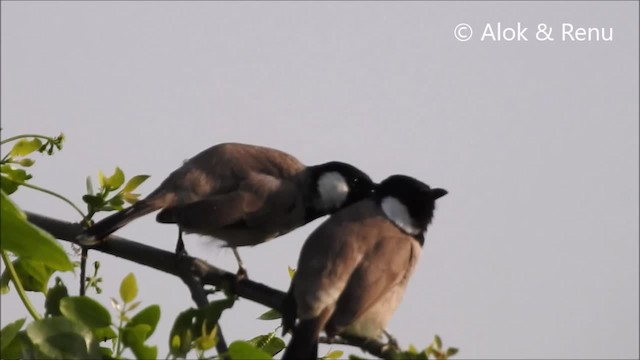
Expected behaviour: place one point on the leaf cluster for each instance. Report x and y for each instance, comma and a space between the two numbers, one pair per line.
110, 196
77, 327
13, 164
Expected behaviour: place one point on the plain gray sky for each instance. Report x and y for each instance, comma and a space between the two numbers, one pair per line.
534, 252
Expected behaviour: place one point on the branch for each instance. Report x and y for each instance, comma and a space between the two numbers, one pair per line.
194, 272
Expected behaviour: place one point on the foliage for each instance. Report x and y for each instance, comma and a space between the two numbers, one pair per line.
433, 351
103, 200
79, 326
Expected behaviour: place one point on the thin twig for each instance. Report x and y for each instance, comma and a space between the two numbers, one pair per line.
83, 270
198, 294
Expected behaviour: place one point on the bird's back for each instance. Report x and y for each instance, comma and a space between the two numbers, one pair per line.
224, 167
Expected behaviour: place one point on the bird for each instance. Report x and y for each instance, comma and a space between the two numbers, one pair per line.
353, 269
243, 195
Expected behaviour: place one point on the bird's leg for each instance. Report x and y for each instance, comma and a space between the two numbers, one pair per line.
242, 271
392, 342
180, 250
331, 339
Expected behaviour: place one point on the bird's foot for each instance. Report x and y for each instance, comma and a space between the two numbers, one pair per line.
242, 274
392, 343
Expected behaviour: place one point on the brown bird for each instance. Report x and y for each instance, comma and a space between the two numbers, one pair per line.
243, 195
354, 268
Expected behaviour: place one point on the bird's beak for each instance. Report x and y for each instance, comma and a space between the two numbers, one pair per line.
438, 193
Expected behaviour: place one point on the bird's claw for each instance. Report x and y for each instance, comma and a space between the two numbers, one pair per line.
241, 274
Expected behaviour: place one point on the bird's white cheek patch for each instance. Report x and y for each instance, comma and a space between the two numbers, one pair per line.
333, 190
399, 215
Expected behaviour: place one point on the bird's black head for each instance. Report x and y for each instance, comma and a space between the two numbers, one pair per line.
408, 202
336, 185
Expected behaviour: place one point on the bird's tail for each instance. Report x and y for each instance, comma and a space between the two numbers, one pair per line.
289, 311
304, 342
111, 223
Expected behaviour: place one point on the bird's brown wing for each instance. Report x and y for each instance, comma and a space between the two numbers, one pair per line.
387, 261
329, 257
281, 201
212, 213
257, 200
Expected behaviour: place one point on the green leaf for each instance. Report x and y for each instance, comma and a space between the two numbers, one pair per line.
130, 197
142, 351
104, 333
58, 141
28, 241
452, 351
25, 147
106, 353
93, 200
438, 342
89, 186
174, 342
54, 295
15, 349
193, 323
335, 354
291, 271
181, 333
132, 306
26, 162
135, 335
271, 314
116, 202
208, 339
58, 337
102, 180
147, 316
134, 182
211, 314
7, 185
128, 288
85, 310
34, 275
9, 332
18, 175
4, 282
116, 180
429, 350
244, 350
268, 343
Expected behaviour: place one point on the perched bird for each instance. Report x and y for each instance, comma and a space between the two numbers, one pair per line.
244, 195
354, 268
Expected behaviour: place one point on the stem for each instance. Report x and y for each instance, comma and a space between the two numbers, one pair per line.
19, 288
52, 194
119, 347
83, 270
26, 136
